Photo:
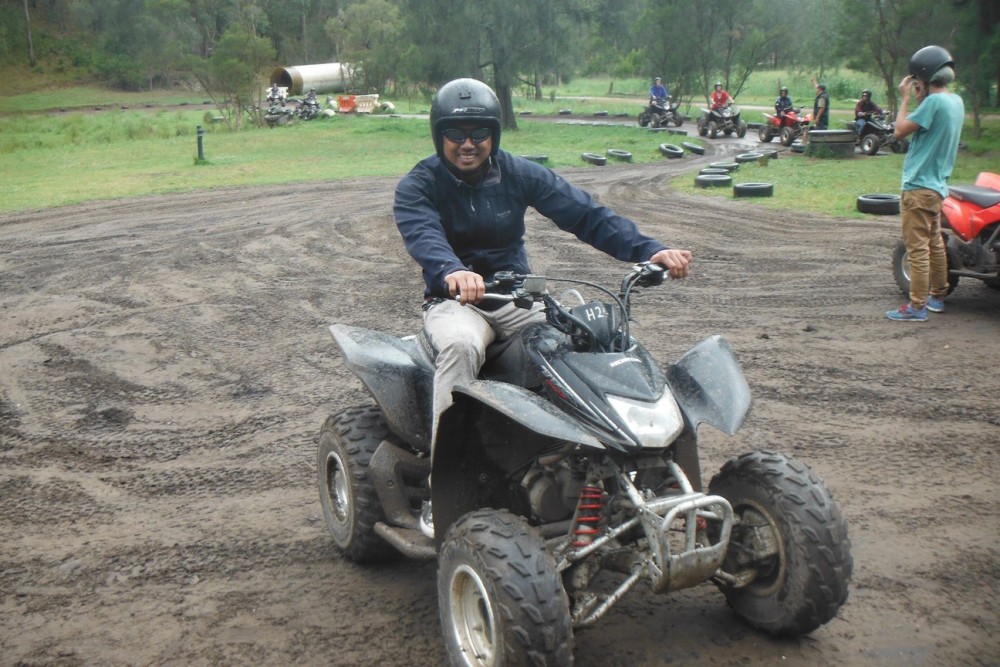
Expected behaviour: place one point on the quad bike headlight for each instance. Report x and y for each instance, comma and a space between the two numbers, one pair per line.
654, 424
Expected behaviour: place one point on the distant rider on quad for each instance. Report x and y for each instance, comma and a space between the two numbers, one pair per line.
782, 104
658, 92
720, 98
863, 108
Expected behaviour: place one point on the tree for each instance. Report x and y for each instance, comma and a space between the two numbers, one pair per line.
511, 40
367, 34
232, 75
27, 28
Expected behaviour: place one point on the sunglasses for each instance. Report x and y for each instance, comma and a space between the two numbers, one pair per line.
477, 135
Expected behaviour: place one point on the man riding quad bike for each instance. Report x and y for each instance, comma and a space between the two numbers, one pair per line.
563, 471
660, 112
787, 122
873, 128
722, 116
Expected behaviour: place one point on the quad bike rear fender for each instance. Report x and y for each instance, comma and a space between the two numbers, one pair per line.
398, 375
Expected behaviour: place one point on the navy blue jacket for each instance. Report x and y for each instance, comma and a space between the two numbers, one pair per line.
448, 225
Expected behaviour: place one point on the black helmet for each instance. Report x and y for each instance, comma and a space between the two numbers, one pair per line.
867, 92
927, 61
465, 101
783, 89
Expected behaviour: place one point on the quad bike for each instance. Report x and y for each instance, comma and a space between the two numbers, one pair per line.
660, 112
877, 132
788, 127
725, 119
970, 225
308, 109
567, 474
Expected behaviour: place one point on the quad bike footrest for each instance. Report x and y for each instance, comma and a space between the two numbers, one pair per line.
683, 562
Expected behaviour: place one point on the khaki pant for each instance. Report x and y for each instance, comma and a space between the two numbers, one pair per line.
921, 217
460, 335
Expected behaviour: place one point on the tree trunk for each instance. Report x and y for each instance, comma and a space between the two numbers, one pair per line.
27, 27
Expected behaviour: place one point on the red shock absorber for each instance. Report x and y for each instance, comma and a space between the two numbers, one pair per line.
588, 515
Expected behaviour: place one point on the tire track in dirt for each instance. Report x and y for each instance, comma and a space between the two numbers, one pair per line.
165, 368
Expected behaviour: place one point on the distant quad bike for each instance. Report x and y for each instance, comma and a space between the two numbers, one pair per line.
567, 474
877, 132
660, 113
788, 127
725, 120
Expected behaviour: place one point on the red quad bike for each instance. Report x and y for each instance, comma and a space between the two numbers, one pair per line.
789, 128
970, 224
568, 476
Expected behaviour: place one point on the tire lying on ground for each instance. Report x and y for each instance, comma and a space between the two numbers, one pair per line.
753, 189
671, 150
713, 180
619, 154
540, 159
713, 170
770, 154
594, 158
694, 148
748, 157
728, 166
798, 147
879, 204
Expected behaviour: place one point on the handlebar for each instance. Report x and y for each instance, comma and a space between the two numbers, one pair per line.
592, 336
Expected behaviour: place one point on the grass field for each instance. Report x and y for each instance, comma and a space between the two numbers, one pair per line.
133, 147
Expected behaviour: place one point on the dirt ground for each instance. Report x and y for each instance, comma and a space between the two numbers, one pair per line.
165, 368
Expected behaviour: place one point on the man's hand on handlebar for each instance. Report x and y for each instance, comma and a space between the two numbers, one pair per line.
677, 262
468, 286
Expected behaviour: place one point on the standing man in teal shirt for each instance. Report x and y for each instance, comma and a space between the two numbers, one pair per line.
935, 128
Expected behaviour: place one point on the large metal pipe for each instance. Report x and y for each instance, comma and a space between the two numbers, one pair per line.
325, 78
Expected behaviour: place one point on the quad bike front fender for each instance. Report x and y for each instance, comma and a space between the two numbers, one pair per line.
491, 431
710, 387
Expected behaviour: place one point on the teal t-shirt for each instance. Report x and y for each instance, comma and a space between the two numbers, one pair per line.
931, 157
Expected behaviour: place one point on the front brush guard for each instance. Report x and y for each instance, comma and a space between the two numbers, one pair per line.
668, 568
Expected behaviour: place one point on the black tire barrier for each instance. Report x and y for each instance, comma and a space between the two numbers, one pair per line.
728, 166
770, 153
677, 132
565, 112
540, 159
671, 150
748, 157
601, 113
659, 129
713, 180
879, 204
594, 158
697, 149
713, 170
797, 147
618, 154
753, 189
